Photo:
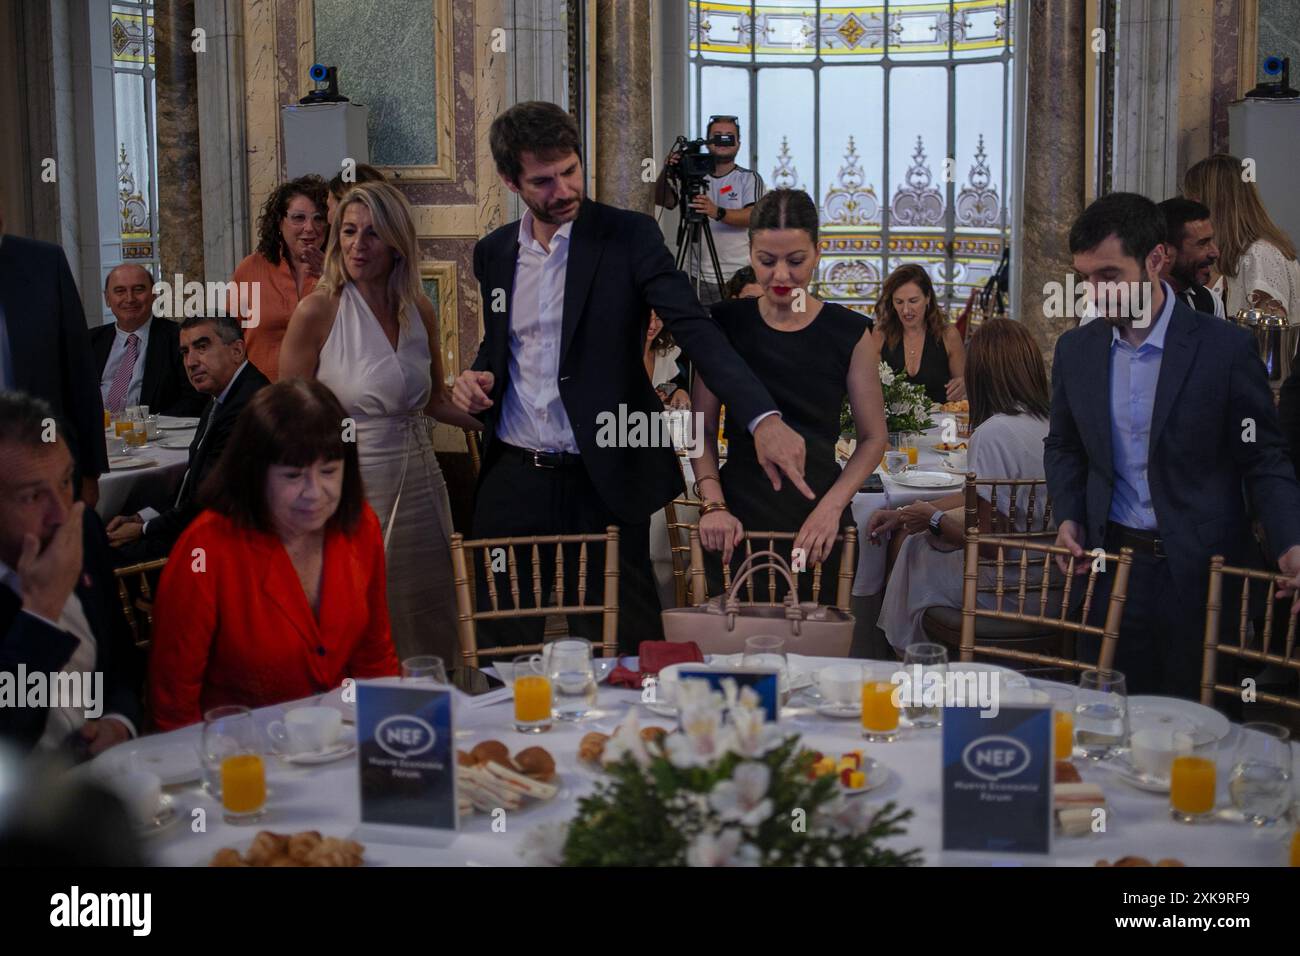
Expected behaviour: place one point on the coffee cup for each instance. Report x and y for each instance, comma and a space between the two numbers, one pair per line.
141, 791
307, 730
840, 685
1153, 749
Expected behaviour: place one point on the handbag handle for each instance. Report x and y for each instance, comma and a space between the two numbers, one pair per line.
747, 570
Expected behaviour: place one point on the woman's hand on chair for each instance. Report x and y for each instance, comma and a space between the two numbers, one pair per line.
883, 522
817, 535
721, 531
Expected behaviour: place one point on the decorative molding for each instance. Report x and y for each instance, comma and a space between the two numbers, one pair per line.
444, 169
446, 222
1247, 46
448, 311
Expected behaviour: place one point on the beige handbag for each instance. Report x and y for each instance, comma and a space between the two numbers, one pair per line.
721, 624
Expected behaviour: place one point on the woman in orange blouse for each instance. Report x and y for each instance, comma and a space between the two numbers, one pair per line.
277, 591
286, 264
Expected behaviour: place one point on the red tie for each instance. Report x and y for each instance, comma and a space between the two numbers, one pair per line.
122, 379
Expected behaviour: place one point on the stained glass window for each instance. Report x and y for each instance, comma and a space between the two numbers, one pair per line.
894, 116
131, 34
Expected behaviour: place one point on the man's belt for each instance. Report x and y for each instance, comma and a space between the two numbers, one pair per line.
542, 459
1140, 541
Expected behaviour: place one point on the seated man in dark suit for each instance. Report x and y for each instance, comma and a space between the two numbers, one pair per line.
1159, 423
213, 352
58, 604
1288, 411
1189, 236
45, 348
139, 356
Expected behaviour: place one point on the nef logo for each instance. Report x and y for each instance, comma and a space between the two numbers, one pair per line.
995, 758
405, 736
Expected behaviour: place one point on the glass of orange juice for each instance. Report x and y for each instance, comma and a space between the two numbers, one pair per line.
1063, 699
122, 427
108, 419
909, 446
880, 706
232, 762
1191, 788
532, 695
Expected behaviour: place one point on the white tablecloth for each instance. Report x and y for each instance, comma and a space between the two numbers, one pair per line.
325, 798
138, 487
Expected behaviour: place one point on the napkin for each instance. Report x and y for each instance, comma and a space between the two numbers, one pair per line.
656, 655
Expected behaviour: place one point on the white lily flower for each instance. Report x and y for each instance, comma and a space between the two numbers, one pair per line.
842, 815
743, 798
627, 740
886, 374
722, 849
752, 734
543, 845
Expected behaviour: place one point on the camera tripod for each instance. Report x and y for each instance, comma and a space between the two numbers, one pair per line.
690, 229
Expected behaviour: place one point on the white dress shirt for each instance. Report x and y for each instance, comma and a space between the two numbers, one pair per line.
62, 721
532, 412
115, 356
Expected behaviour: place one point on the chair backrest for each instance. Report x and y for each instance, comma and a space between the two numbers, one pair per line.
489, 553
136, 584
1013, 500
680, 516
767, 541
1015, 552
1263, 650
475, 453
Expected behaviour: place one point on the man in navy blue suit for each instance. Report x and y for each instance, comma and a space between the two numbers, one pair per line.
1163, 439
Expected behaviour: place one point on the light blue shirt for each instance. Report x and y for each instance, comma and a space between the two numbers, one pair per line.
1134, 373
115, 356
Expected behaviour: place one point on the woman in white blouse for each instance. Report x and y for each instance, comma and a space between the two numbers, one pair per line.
1257, 259
1006, 383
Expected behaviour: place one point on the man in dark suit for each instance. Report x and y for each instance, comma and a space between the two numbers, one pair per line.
213, 351
1288, 412
59, 612
566, 293
1191, 254
1158, 423
138, 356
45, 347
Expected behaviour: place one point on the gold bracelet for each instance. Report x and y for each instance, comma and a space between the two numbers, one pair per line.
711, 506
696, 487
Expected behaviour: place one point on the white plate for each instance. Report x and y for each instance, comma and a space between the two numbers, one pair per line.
1211, 726
169, 423
877, 776
927, 479
346, 746
123, 463
1134, 777
174, 763
176, 441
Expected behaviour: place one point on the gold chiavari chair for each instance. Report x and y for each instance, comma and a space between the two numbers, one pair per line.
767, 541
475, 452
1258, 651
1020, 549
681, 515
1019, 507
467, 554
136, 584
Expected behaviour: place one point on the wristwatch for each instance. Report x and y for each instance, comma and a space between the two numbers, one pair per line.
720, 214
934, 523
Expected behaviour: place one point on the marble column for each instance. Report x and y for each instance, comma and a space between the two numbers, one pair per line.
1054, 163
180, 191
624, 119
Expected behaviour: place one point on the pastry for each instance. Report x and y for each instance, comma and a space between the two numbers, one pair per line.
520, 784
592, 747
466, 759
307, 848
301, 845
536, 762
1067, 772
654, 735
227, 857
266, 847
492, 751
1169, 861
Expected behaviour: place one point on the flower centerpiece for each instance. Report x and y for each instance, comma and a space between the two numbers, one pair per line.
728, 789
907, 407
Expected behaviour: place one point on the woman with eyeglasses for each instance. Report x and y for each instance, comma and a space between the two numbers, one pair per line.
288, 260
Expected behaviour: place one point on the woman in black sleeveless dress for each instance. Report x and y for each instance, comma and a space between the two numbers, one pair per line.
912, 336
808, 354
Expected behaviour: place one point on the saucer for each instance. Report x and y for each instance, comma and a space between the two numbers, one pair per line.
840, 711
347, 745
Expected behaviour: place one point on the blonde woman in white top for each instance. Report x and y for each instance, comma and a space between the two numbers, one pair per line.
369, 332
1256, 258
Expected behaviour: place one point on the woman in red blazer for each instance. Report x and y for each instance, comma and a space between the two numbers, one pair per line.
277, 591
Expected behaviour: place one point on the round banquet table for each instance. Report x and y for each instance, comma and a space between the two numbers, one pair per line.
135, 488
325, 798
869, 578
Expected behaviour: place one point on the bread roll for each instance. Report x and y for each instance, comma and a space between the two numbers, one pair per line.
536, 762
492, 751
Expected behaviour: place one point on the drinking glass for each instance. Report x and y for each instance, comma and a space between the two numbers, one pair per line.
895, 462
1101, 714
232, 762
427, 668
768, 650
532, 690
1063, 700
921, 660
879, 706
1260, 785
1191, 788
909, 446
137, 436
573, 677
121, 427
